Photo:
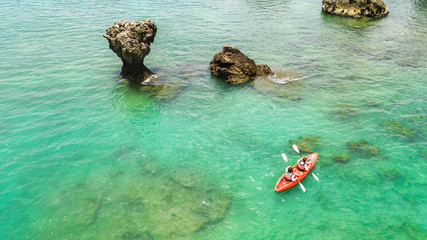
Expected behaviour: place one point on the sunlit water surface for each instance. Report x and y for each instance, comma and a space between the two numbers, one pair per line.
85, 156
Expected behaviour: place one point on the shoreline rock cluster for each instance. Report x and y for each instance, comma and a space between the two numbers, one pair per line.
356, 8
131, 40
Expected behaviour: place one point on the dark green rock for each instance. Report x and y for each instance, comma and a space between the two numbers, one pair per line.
340, 157
161, 90
396, 127
137, 236
345, 110
389, 174
307, 144
364, 147
412, 230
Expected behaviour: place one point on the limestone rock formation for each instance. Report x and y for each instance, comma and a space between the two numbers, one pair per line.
355, 8
235, 67
131, 40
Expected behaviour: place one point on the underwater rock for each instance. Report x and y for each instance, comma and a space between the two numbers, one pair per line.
177, 211
389, 174
282, 83
162, 90
157, 87
355, 8
412, 230
307, 144
345, 110
185, 178
171, 204
377, 104
363, 147
131, 40
396, 127
137, 236
68, 206
235, 67
264, 85
150, 167
340, 158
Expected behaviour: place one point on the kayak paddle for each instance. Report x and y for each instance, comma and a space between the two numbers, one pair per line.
302, 187
286, 160
297, 150
315, 177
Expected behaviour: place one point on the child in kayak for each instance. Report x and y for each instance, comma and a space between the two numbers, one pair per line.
302, 164
290, 175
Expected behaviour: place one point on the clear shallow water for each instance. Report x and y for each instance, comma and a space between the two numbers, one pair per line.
84, 156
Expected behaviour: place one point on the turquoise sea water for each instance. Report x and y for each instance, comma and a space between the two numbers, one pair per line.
85, 156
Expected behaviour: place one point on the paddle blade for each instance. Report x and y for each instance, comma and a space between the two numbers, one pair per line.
284, 157
302, 187
295, 148
315, 177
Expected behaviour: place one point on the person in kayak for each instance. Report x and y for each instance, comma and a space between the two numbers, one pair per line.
302, 164
290, 175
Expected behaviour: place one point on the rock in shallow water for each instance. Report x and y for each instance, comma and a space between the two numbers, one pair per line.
235, 67
131, 40
355, 8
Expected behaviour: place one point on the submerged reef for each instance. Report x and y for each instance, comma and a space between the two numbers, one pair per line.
283, 83
148, 201
235, 67
396, 127
162, 89
341, 157
131, 40
307, 144
345, 112
363, 147
389, 174
355, 8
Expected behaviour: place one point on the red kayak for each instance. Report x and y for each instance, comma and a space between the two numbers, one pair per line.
282, 184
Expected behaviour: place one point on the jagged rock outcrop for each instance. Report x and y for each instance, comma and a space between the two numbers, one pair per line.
235, 67
131, 40
355, 8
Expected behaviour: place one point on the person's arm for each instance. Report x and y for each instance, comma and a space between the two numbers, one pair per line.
306, 166
293, 178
